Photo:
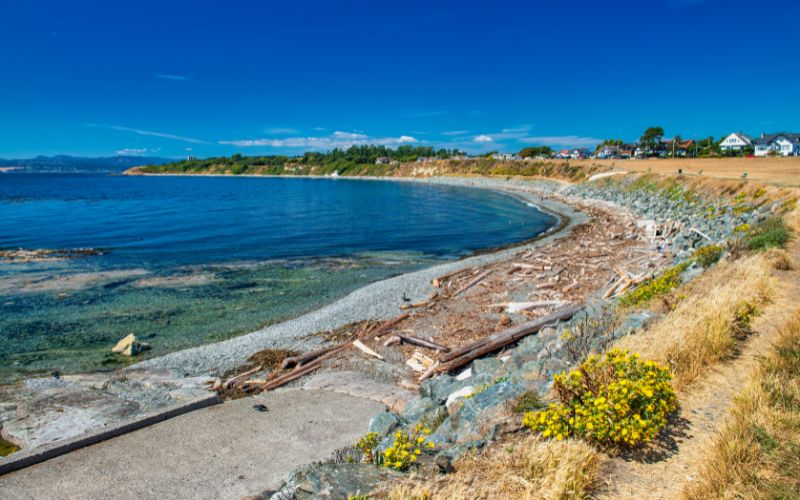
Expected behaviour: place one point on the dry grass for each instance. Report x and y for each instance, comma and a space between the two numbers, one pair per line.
777, 171
757, 454
706, 324
792, 220
525, 469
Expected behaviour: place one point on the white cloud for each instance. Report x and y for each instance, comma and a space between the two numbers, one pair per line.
172, 77
132, 152
137, 151
149, 133
338, 139
562, 140
455, 132
517, 130
483, 138
280, 131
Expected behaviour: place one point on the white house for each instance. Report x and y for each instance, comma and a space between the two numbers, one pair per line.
782, 143
504, 156
736, 142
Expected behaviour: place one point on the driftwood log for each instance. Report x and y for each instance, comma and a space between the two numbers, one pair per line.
324, 354
494, 342
422, 342
241, 377
472, 283
305, 358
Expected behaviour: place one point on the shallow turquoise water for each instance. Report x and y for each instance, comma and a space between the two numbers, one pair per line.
194, 260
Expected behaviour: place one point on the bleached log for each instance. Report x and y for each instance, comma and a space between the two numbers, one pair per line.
472, 283
515, 307
238, 378
366, 350
704, 235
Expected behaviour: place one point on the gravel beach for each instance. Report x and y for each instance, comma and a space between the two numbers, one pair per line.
380, 300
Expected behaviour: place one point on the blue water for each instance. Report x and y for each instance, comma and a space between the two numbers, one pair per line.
252, 251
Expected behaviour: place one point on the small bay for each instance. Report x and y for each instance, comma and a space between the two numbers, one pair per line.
185, 261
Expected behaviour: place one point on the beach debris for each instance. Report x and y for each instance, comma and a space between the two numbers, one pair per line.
472, 283
516, 307
366, 350
704, 235
419, 362
460, 357
325, 354
261, 408
437, 282
394, 339
241, 377
408, 339
430, 371
130, 346
305, 358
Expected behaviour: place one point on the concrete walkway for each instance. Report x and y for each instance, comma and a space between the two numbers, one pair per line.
221, 452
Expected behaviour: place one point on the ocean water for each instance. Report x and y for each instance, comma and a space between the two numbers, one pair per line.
192, 260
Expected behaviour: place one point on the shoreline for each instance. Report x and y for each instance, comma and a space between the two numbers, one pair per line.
377, 301
98, 399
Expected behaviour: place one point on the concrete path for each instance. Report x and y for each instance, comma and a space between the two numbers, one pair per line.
221, 452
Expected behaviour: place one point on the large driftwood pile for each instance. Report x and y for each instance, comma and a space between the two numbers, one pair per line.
611, 254
309, 362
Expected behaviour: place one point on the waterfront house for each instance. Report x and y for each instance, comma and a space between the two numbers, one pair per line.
580, 154
736, 142
607, 152
505, 156
670, 148
781, 143
382, 160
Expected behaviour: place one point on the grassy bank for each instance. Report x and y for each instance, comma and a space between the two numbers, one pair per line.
292, 166
757, 454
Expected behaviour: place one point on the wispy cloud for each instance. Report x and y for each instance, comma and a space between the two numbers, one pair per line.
482, 139
520, 129
280, 131
150, 133
455, 132
172, 77
137, 151
562, 140
336, 140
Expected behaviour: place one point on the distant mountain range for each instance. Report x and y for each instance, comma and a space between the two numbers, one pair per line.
76, 164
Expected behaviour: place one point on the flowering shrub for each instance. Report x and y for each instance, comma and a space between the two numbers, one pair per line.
616, 399
670, 279
707, 256
367, 445
406, 448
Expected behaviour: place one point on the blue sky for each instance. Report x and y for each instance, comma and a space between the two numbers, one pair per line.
172, 78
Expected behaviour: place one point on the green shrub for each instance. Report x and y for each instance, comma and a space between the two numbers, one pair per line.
665, 283
707, 256
528, 401
772, 233
616, 399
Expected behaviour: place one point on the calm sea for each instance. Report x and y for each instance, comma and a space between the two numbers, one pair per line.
192, 260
